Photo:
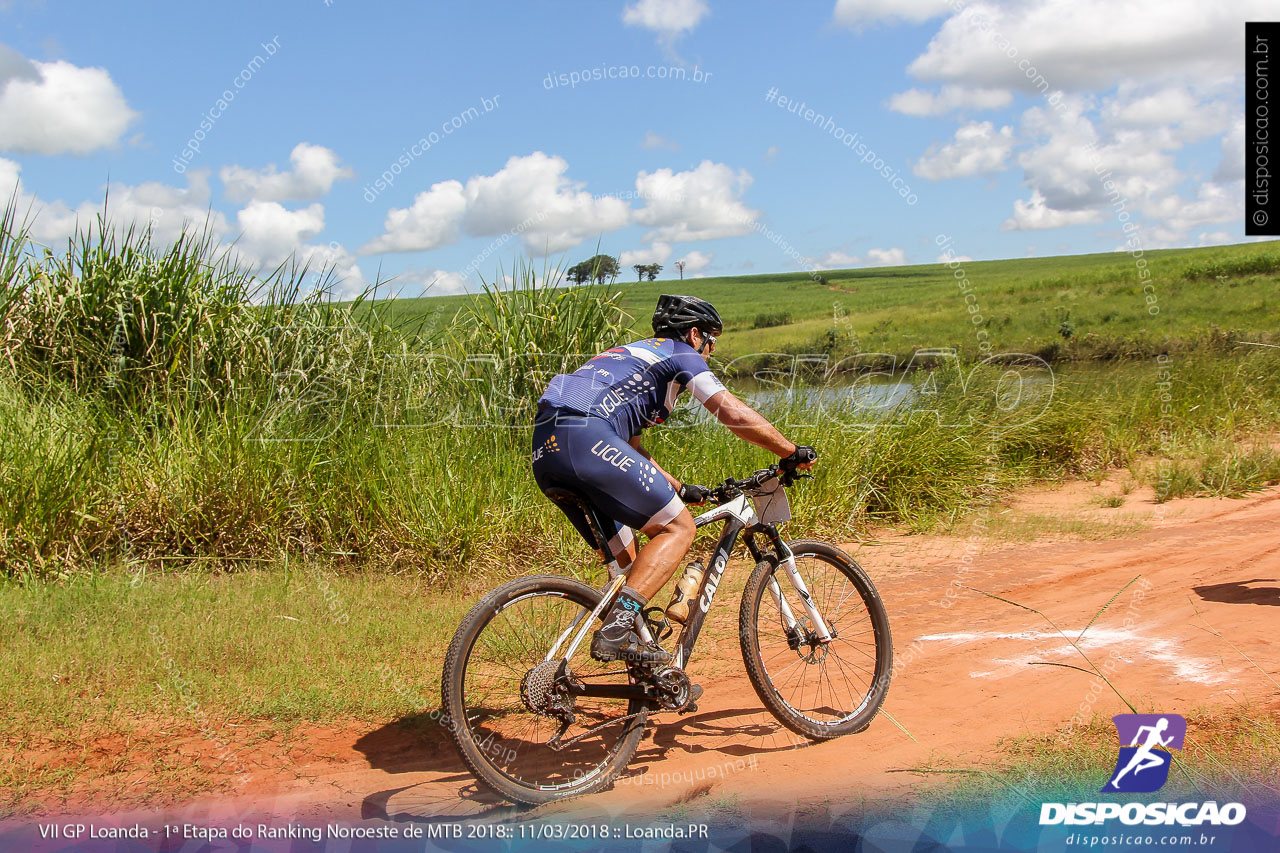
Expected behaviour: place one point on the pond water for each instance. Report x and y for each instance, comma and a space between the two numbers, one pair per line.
874, 398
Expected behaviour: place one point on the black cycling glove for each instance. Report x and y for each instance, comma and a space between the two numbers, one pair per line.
802, 454
692, 494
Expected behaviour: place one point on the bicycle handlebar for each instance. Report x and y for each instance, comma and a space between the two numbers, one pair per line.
731, 488
786, 470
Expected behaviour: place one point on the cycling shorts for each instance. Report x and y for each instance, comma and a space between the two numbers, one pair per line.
585, 455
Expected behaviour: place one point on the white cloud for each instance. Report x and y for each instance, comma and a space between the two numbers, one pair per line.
269, 232
917, 102
978, 148
58, 108
838, 260
430, 222
1231, 167
533, 198
1217, 238
530, 195
946, 258
1069, 161
886, 258
14, 65
533, 192
432, 282
771, 152
704, 203
858, 13
1034, 214
342, 271
315, 168
695, 261
653, 140
1213, 203
1170, 114
654, 254
1084, 44
1119, 91
167, 210
668, 18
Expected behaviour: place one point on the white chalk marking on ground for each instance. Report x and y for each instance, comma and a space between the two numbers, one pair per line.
1162, 650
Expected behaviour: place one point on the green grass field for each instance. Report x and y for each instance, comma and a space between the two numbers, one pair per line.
217, 419
1026, 305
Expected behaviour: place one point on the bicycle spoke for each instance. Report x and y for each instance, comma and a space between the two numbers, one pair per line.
513, 736
815, 680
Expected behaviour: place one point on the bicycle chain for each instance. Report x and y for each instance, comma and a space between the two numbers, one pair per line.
561, 745
557, 745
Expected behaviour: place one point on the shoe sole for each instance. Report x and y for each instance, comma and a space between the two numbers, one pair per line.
611, 657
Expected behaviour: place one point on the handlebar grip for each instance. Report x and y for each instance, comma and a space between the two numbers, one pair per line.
802, 455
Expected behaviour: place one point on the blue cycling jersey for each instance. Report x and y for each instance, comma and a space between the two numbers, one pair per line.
633, 386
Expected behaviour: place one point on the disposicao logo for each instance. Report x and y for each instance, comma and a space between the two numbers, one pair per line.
1142, 766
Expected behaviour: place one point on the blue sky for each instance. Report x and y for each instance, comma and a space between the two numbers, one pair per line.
981, 114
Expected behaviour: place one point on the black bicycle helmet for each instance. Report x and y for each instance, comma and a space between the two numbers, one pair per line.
676, 315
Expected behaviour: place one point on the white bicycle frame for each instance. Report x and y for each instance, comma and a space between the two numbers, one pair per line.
743, 511
739, 513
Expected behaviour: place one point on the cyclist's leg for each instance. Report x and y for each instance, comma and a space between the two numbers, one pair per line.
658, 560
626, 487
551, 469
631, 490
622, 545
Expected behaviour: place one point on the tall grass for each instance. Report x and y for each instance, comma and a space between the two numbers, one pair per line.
161, 407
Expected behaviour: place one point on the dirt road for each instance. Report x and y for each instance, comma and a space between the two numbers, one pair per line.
963, 679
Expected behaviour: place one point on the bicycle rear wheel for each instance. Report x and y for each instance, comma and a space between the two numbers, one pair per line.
503, 705
819, 690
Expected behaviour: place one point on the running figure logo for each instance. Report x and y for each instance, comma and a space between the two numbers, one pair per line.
1143, 765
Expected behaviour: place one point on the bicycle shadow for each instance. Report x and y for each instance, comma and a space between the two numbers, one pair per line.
1238, 592
418, 744
732, 732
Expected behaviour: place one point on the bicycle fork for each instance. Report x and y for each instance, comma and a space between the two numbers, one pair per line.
789, 621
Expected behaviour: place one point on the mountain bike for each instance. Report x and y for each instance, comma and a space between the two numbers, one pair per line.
537, 719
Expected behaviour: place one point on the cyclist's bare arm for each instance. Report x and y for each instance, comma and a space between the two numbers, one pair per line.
635, 443
749, 425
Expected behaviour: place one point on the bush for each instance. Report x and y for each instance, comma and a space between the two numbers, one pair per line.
768, 320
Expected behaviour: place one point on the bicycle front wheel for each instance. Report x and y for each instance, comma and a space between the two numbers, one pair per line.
819, 690
504, 706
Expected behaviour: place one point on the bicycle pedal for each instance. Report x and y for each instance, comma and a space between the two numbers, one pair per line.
690, 708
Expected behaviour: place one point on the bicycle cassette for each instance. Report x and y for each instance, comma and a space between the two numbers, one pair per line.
537, 689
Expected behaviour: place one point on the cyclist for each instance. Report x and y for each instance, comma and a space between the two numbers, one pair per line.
587, 439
